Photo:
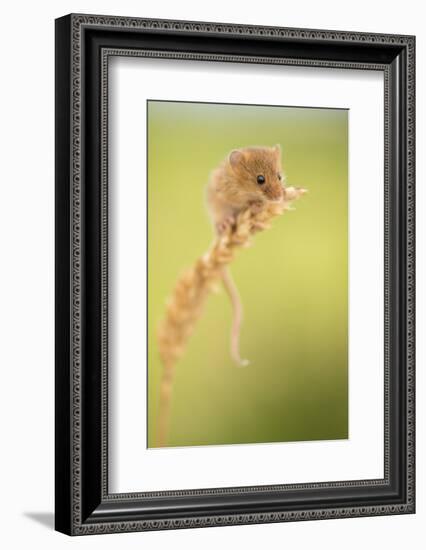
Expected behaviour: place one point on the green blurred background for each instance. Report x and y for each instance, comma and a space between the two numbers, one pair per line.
293, 281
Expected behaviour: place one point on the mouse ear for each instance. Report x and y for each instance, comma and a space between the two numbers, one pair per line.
235, 158
277, 149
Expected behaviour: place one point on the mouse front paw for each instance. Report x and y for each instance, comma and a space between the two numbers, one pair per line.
225, 225
256, 206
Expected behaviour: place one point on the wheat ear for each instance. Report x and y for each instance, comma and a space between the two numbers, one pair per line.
189, 295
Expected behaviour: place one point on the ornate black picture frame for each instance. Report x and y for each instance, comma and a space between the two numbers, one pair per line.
84, 44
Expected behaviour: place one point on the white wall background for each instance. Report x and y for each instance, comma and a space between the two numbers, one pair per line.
26, 288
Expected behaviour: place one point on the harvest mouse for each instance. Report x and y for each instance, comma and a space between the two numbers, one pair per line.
248, 178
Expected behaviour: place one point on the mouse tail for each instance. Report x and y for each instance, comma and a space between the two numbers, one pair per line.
237, 310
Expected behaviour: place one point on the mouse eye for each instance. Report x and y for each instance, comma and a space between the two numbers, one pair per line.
279, 177
260, 179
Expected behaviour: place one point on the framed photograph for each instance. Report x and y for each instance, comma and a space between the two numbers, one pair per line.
234, 274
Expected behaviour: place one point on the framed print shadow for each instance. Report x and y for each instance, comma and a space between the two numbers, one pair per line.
234, 274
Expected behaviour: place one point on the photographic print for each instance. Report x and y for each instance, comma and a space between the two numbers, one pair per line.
234, 274
247, 273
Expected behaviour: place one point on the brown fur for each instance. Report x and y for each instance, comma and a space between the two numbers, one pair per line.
233, 185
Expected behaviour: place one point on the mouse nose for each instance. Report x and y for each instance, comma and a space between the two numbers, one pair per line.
275, 193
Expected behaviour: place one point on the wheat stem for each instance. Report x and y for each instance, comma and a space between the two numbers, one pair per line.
186, 303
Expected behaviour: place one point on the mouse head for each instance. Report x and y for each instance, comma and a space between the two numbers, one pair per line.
258, 171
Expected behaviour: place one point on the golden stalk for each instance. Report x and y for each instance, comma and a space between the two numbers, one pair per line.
185, 306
